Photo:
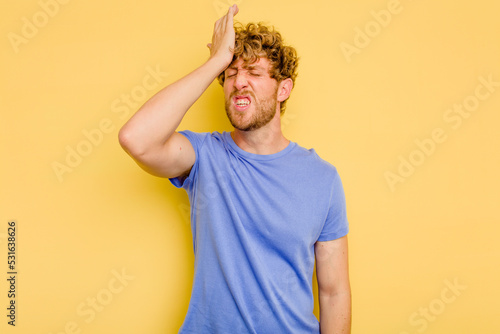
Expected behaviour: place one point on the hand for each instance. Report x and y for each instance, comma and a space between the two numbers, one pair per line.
222, 46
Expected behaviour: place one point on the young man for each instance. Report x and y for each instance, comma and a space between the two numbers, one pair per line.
263, 209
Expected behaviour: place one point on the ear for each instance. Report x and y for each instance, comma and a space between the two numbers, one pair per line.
284, 89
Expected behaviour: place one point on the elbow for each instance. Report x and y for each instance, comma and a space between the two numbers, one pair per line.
124, 138
334, 298
145, 156
129, 143
334, 291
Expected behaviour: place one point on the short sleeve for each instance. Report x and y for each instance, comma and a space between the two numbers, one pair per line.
336, 225
197, 140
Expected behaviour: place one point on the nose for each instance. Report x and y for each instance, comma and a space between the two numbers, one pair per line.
241, 81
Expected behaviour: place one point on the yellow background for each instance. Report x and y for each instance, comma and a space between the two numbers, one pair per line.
362, 112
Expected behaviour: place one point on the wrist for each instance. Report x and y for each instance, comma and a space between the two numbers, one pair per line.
218, 64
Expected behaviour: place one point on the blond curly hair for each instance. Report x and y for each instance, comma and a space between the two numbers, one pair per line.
257, 40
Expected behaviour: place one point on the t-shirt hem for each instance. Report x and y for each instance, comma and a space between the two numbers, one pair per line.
333, 236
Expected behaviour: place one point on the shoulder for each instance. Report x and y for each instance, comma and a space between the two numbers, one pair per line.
198, 139
314, 162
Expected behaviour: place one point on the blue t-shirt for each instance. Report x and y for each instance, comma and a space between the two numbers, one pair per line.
255, 220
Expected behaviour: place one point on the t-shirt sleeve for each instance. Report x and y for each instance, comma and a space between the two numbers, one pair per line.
336, 225
196, 139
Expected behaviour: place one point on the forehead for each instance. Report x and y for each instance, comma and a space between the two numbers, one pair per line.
260, 64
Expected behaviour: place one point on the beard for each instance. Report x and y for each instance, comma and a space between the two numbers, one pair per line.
264, 112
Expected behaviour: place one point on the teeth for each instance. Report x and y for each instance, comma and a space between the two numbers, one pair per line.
242, 102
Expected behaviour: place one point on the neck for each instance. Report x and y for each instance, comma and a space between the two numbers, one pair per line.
268, 139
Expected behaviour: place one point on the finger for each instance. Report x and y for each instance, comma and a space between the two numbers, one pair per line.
233, 10
224, 20
236, 9
230, 14
214, 34
217, 23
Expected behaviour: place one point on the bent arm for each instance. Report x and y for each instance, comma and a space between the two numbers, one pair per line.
149, 137
334, 291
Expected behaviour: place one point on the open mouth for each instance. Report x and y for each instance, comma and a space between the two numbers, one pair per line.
241, 102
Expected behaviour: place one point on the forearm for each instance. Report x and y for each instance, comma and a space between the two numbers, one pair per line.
159, 117
155, 122
335, 313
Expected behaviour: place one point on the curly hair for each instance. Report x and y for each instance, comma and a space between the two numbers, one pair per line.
257, 40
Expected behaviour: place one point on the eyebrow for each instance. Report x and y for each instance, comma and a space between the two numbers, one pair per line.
247, 67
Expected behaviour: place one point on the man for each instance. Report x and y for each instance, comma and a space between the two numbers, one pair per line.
263, 209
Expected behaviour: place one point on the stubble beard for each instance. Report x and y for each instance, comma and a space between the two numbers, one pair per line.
264, 112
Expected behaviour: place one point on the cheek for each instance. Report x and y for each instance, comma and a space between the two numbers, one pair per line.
226, 88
